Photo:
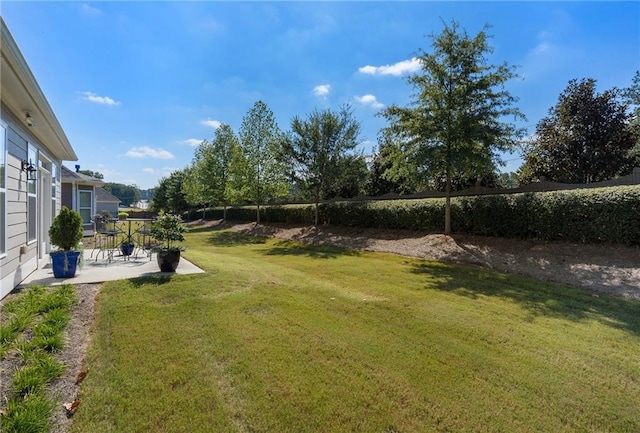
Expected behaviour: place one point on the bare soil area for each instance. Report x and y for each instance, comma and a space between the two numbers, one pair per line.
612, 269
598, 268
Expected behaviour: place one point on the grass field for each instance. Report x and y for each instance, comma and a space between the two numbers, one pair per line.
284, 337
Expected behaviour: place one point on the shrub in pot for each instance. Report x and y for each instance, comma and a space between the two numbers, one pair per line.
65, 233
168, 229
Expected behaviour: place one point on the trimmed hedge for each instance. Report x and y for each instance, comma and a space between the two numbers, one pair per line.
583, 215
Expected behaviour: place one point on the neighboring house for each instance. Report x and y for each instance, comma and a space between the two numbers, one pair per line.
141, 204
32, 148
79, 193
105, 201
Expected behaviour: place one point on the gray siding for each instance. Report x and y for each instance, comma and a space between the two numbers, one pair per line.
14, 266
66, 195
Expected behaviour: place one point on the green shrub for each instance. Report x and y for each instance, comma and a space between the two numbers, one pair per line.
28, 415
583, 215
66, 229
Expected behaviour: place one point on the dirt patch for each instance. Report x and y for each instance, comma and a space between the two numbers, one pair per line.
610, 269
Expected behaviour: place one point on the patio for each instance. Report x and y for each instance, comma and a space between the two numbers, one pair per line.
100, 270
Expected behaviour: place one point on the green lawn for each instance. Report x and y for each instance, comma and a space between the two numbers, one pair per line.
284, 337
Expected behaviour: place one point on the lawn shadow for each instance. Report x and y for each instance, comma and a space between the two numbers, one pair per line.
157, 280
314, 251
226, 238
539, 297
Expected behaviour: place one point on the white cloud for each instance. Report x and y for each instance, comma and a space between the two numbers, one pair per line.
148, 152
105, 100
148, 170
215, 124
89, 10
193, 142
397, 69
369, 100
322, 90
552, 51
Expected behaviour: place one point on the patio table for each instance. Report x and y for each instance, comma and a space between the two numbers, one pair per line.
136, 232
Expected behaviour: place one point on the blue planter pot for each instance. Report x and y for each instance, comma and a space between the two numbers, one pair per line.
64, 263
126, 249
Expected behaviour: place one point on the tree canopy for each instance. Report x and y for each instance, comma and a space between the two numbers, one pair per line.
127, 194
587, 137
262, 173
207, 180
169, 196
95, 174
318, 148
454, 126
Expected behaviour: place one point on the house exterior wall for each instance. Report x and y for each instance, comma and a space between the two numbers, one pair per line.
22, 254
67, 195
30, 132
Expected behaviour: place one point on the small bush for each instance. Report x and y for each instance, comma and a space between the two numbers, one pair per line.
28, 415
56, 319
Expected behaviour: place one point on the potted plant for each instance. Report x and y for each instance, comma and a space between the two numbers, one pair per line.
65, 233
126, 248
122, 215
168, 229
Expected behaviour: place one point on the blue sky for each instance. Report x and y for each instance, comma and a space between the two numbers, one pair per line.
137, 85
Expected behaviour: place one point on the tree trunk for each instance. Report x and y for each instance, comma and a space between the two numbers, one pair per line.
447, 207
258, 214
316, 217
224, 212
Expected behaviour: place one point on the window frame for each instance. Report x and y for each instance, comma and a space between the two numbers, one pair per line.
90, 207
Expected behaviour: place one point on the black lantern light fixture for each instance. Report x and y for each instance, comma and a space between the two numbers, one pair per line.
29, 120
30, 169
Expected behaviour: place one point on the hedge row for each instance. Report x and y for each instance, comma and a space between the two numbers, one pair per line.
586, 215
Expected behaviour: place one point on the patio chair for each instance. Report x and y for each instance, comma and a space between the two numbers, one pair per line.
105, 238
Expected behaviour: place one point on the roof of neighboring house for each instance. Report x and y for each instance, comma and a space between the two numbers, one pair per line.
71, 176
102, 195
22, 94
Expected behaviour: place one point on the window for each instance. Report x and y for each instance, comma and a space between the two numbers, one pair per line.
3, 191
32, 212
85, 208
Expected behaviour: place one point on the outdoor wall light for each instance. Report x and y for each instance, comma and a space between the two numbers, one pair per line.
30, 122
30, 169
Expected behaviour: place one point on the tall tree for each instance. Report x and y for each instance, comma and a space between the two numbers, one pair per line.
587, 137
207, 180
632, 97
260, 140
126, 193
351, 176
193, 188
390, 170
454, 125
169, 195
317, 146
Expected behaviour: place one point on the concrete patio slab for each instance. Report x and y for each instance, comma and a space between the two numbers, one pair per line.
100, 270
